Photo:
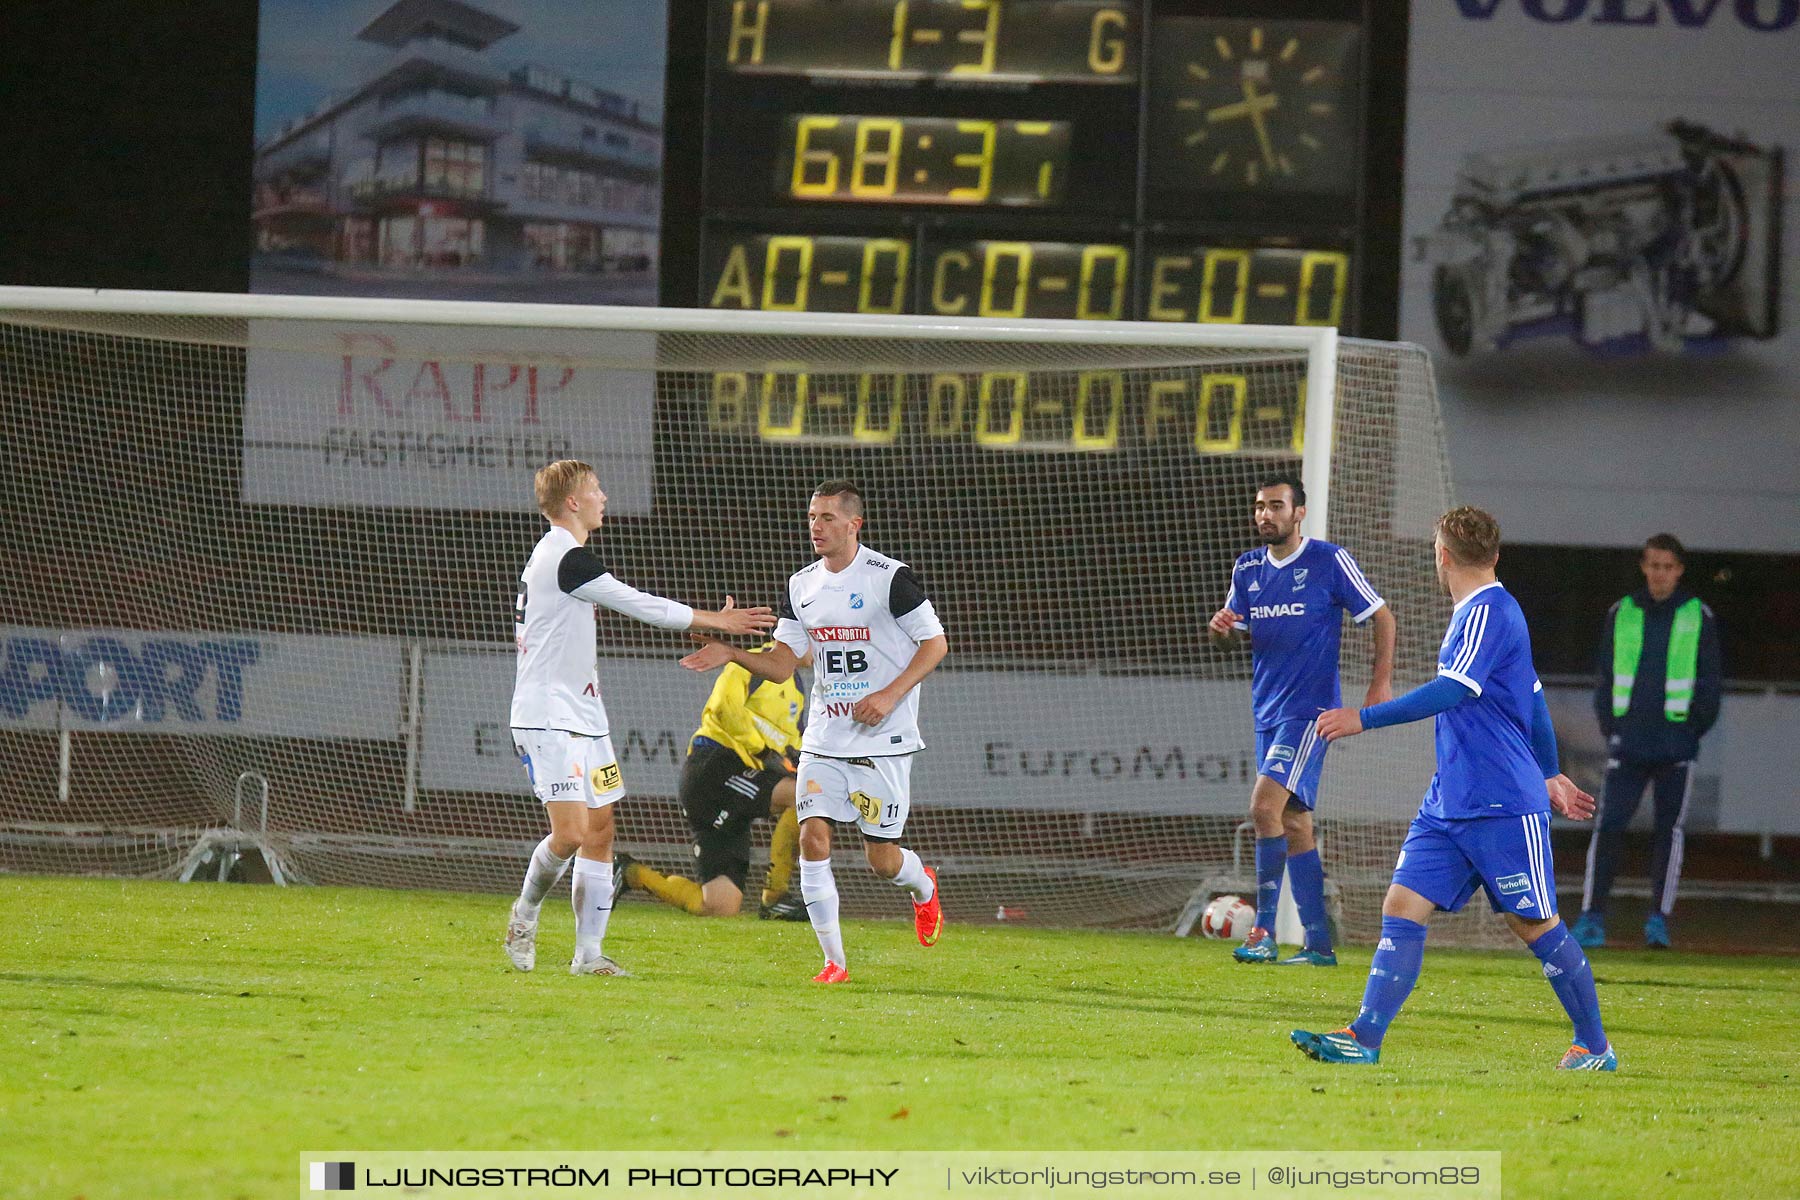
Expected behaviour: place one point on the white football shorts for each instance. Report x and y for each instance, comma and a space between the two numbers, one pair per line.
570, 766
875, 793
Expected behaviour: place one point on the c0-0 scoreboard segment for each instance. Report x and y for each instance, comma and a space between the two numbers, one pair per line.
1168, 160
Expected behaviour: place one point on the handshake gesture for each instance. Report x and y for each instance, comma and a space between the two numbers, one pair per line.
732, 620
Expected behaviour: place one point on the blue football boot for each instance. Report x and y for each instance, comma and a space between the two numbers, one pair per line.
1580, 1058
1259, 947
1338, 1047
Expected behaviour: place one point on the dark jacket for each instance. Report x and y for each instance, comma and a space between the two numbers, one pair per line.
1644, 733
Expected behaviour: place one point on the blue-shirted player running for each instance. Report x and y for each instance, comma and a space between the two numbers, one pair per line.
1485, 821
1290, 596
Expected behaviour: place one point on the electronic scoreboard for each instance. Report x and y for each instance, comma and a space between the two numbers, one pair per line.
1163, 160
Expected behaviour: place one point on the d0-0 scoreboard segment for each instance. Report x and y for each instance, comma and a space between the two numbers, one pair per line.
1171, 160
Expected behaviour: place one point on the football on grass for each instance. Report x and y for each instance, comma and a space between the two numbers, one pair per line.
1227, 917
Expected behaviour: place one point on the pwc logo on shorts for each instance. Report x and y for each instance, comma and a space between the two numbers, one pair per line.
570, 786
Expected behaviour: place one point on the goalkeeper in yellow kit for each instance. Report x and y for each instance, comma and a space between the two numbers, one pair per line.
738, 770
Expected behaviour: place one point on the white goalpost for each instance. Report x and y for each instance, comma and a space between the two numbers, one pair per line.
262, 550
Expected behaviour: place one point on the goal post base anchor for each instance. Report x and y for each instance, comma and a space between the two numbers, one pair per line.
229, 846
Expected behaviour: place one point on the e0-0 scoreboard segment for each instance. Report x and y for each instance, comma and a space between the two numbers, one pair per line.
1167, 160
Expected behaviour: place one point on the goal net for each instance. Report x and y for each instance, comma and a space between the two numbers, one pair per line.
262, 554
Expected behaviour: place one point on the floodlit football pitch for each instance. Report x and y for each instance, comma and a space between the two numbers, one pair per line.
193, 1040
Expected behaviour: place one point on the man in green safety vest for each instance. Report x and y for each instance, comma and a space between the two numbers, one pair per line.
1656, 696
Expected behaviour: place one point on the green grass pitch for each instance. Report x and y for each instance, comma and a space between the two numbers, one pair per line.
192, 1040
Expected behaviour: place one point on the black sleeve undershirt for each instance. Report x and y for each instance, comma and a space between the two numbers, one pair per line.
906, 593
580, 565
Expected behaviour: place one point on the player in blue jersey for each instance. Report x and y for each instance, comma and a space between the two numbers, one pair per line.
1485, 822
1290, 596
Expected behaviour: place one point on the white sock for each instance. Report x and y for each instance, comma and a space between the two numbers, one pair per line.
819, 890
540, 877
912, 876
592, 899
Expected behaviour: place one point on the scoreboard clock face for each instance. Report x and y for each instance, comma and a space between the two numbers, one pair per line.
1244, 105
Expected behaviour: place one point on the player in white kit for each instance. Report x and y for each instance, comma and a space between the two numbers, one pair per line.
559, 723
873, 637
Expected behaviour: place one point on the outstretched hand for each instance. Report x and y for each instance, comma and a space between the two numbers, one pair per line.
1569, 800
732, 619
712, 654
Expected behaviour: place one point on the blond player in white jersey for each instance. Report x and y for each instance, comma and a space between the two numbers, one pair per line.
559, 723
873, 636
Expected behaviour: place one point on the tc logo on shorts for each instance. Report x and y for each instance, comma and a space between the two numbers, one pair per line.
607, 778
867, 806
1285, 753
1513, 884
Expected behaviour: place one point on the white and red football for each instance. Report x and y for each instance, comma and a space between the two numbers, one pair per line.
1227, 917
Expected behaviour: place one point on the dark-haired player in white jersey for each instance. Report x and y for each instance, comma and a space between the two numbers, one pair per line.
559, 723
874, 637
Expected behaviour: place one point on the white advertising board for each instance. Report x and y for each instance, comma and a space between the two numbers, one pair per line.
379, 423
1119, 744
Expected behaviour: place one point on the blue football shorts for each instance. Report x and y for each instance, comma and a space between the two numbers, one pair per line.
1446, 860
1292, 754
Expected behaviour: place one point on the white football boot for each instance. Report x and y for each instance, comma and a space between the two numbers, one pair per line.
521, 940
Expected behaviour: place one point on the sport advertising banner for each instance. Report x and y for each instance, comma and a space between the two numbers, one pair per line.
1601, 251
205, 684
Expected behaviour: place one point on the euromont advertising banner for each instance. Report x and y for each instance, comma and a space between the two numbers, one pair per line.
1601, 251
1131, 745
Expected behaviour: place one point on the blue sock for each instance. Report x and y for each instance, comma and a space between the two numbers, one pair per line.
1392, 974
1566, 967
1306, 875
1271, 858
